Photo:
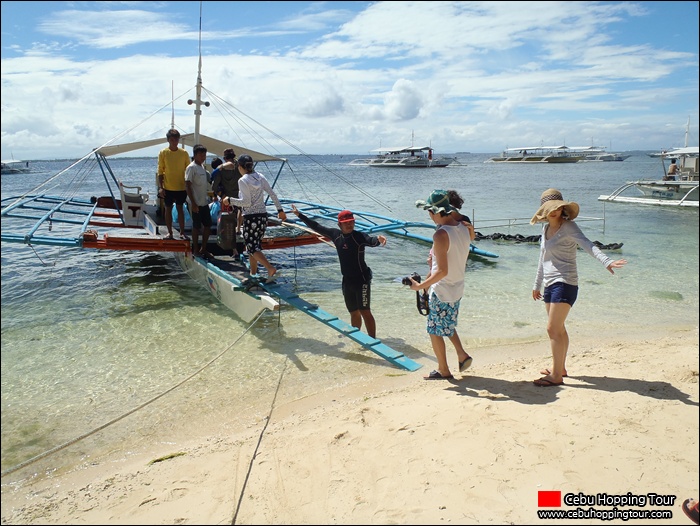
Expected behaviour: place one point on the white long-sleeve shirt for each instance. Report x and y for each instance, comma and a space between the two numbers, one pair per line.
558, 255
251, 199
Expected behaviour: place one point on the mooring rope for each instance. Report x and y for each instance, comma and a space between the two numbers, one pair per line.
115, 420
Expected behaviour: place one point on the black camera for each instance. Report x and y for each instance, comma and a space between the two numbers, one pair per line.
407, 279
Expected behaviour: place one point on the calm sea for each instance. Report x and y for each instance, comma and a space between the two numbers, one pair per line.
107, 353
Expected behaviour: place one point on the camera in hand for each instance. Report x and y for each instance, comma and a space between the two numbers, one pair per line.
407, 279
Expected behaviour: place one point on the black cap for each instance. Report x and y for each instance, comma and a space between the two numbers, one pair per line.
245, 159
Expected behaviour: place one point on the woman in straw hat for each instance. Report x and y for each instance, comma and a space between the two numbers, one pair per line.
556, 270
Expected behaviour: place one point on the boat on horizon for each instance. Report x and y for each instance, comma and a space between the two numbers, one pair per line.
598, 154
404, 157
13, 166
537, 154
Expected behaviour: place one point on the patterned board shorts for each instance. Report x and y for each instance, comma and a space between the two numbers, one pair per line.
442, 319
254, 227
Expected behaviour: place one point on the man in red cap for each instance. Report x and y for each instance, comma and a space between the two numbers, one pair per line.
357, 276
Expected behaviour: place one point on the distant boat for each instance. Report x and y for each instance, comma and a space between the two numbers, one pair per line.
405, 157
538, 154
13, 166
598, 153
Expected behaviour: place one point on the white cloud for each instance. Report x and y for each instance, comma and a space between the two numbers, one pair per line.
335, 79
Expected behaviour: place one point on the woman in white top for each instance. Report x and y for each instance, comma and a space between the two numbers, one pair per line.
451, 243
557, 271
252, 187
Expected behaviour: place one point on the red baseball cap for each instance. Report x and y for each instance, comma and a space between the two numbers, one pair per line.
345, 216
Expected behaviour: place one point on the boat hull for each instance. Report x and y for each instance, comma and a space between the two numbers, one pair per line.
228, 287
661, 193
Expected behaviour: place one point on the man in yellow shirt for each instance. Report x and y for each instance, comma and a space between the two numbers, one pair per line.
172, 163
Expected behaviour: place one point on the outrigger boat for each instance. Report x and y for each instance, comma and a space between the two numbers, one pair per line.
679, 190
12, 166
128, 219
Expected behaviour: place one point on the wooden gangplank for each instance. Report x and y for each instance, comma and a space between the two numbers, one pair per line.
373, 344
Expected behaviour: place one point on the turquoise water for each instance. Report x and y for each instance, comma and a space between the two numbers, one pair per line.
91, 338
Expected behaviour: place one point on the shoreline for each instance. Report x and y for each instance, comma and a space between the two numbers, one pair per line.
397, 449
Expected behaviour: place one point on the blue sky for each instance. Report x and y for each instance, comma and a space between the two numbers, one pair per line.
348, 77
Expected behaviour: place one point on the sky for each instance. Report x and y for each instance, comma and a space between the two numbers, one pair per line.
349, 77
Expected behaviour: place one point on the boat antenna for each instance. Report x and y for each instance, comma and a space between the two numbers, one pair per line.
172, 104
198, 102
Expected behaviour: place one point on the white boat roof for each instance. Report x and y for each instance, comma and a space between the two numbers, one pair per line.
403, 149
588, 149
213, 146
13, 161
537, 148
689, 150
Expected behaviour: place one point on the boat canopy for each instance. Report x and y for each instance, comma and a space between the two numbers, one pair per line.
214, 146
537, 148
402, 149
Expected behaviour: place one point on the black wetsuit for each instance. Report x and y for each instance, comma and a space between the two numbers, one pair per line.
357, 276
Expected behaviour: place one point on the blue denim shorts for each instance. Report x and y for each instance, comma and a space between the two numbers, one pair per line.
561, 292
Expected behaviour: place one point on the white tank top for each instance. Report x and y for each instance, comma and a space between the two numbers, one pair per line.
451, 288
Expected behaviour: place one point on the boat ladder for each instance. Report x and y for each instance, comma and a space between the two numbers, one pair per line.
373, 344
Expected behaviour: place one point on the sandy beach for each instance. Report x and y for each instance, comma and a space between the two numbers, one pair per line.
477, 449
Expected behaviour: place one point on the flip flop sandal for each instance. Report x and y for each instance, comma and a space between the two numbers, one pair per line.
435, 375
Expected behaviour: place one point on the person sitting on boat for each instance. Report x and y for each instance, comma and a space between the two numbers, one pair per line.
251, 185
197, 184
357, 276
672, 171
172, 163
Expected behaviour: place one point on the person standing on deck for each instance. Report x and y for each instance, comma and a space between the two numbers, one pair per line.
252, 185
357, 276
225, 184
172, 163
197, 184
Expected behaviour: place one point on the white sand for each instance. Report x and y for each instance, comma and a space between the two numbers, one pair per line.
403, 450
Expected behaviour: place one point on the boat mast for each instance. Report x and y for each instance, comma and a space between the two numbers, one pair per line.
198, 102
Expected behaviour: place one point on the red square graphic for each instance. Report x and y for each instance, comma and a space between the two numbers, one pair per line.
549, 499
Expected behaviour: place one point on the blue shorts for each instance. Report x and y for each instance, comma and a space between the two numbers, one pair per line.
561, 292
442, 319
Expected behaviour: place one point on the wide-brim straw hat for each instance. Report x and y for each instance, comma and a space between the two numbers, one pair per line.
550, 200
